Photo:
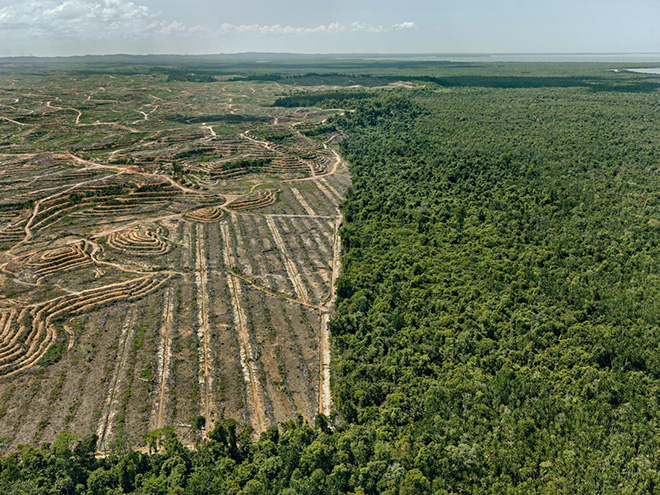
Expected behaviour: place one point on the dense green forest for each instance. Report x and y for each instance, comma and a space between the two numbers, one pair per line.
497, 313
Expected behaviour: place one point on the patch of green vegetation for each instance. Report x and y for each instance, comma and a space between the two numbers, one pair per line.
147, 372
53, 354
319, 130
138, 340
323, 99
249, 165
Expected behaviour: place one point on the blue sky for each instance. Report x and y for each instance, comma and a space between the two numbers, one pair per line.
75, 27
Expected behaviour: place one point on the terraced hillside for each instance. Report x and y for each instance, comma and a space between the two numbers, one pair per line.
168, 251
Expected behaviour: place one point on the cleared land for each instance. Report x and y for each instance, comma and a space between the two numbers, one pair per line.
168, 250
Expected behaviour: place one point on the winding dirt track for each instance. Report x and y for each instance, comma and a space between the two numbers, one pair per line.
210, 129
37, 204
120, 170
12, 121
77, 122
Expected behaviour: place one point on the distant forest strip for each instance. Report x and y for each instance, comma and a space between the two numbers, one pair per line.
497, 315
323, 99
595, 82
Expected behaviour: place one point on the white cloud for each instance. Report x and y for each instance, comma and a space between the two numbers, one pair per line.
368, 28
279, 30
96, 11
124, 19
287, 30
404, 25
86, 19
175, 28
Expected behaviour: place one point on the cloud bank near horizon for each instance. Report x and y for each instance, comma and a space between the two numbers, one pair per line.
126, 20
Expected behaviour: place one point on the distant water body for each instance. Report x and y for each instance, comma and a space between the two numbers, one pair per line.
520, 57
646, 71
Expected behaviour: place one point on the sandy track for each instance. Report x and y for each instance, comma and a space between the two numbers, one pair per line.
165, 354
256, 408
77, 122
325, 182
210, 129
274, 293
111, 404
13, 121
37, 205
325, 395
119, 169
291, 268
303, 201
48, 104
205, 376
327, 193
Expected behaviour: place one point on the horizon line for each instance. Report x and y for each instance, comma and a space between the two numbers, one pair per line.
328, 54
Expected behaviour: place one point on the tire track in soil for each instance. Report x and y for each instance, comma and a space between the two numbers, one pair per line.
313, 234
255, 405
269, 256
326, 184
290, 215
252, 246
327, 194
165, 354
203, 329
290, 266
325, 396
273, 293
111, 404
303, 248
303, 201
325, 400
